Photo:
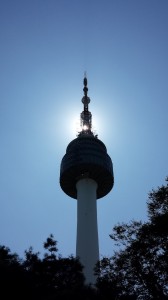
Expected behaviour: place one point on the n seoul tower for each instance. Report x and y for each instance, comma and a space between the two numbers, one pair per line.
86, 174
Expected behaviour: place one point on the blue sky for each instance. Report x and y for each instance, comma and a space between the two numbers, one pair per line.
45, 48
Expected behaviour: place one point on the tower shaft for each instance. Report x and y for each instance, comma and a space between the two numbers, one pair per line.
87, 246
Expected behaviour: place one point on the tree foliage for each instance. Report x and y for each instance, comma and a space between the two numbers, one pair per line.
139, 269
40, 278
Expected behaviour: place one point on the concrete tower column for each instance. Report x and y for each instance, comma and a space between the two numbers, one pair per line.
87, 245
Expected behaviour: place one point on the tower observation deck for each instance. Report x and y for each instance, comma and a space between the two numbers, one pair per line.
86, 174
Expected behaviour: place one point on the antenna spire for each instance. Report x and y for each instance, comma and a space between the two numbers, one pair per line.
86, 116
85, 89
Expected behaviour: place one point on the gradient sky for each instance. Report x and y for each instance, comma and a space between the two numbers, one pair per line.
45, 48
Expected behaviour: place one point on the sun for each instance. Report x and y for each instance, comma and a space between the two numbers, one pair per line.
85, 127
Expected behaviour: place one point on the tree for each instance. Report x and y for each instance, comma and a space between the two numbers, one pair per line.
47, 278
13, 278
51, 246
139, 269
53, 275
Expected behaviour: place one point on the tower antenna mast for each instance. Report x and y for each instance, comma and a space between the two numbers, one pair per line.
86, 116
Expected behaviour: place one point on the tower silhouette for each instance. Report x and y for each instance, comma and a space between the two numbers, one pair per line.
86, 174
